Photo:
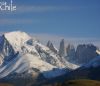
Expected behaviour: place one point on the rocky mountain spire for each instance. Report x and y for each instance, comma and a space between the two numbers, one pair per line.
51, 47
70, 50
62, 49
48, 43
86, 52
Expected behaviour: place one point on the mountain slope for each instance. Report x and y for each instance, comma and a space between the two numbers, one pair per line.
90, 70
52, 47
21, 53
94, 63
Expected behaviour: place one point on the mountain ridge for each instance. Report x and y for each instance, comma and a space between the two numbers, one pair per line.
26, 52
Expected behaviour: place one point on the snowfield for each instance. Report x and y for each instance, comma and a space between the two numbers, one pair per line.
20, 52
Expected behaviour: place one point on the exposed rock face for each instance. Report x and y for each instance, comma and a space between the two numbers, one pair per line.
6, 50
70, 50
51, 47
85, 53
62, 49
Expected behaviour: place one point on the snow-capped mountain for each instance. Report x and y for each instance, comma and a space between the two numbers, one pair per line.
20, 52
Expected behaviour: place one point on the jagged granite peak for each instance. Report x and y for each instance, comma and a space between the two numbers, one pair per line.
86, 52
52, 47
70, 50
49, 43
62, 48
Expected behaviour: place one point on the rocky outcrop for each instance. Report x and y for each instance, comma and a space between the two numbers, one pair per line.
85, 53
62, 49
6, 50
52, 47
70, 50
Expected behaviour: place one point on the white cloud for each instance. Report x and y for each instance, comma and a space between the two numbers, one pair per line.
24, 9
44, 38
8, 21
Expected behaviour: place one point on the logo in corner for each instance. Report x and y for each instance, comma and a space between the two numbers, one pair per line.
5, 6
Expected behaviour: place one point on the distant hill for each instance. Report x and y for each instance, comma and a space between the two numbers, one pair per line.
3, 84
80, 83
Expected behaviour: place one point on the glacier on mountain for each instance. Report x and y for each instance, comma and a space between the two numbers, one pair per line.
20, 52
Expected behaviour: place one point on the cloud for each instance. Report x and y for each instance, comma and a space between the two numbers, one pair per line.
23, 8
44, 38
9, 21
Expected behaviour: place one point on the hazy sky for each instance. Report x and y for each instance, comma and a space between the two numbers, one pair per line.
68, 18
